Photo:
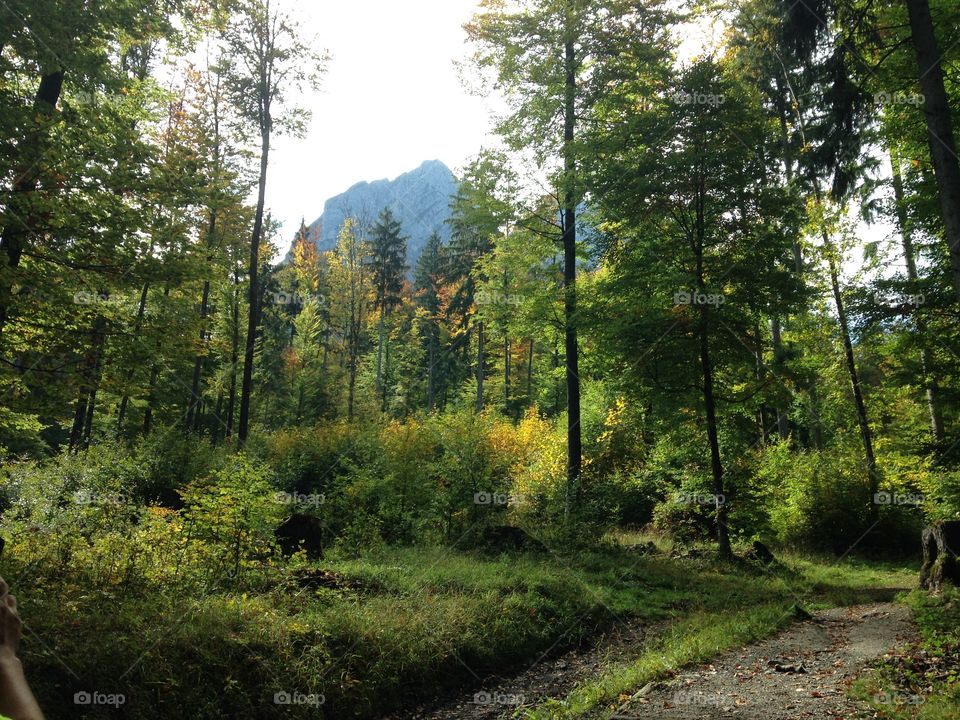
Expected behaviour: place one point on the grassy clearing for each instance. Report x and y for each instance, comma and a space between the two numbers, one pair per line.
415, 622
921, 681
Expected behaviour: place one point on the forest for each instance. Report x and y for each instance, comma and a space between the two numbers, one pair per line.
684, 381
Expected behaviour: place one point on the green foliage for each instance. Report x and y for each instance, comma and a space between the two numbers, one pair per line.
232, 514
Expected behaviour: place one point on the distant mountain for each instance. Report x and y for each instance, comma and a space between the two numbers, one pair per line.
419, 199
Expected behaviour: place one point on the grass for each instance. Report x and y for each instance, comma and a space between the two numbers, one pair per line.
418, 622
723, 620
921, 681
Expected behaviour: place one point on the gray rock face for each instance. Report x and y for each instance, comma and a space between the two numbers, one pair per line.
419, 199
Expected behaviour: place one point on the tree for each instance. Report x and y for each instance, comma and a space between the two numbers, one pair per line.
553, 59
266, 63
940, 137
388, 258
698, 246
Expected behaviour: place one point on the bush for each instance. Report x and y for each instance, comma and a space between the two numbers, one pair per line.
231, 517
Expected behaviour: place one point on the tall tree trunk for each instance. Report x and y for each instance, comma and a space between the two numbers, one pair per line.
198, 360
758, 373
574, 448
530, 374
783, 420
215, 427
481, 360
234, 354
506, 371
706, 368
152, 387
865, 434
716, 465
195, 392
141, 310
936, 109
926, 357
431, 372
17, 226
98, 340
253, 317
380, 330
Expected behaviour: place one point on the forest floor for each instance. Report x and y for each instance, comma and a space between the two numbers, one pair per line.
803, 672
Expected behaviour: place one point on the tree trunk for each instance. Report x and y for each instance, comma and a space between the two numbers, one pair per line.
506, 372
141, 310
758, 374
783, 420
861, 408
481, 359
253, 316
152, 391
530, 375
431, 359
18, 227
380, 330
574, 448
716, 465
936, 108
926, 357
198, 360
234, 354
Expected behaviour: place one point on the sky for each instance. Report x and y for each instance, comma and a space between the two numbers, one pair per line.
391, 98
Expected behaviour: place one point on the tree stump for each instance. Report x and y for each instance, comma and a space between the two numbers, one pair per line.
940, 544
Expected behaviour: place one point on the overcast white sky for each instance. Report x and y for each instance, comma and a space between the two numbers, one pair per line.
391, 99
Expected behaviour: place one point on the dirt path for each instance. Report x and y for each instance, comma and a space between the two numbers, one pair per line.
801, 673
549, 676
